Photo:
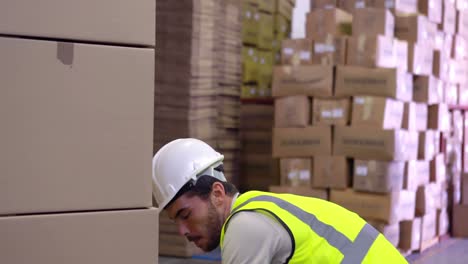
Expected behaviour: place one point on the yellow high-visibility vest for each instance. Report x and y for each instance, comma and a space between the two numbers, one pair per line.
320, 231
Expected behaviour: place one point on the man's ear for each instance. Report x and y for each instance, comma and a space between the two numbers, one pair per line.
218, 193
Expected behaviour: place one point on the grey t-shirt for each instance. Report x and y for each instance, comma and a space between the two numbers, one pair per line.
253, 237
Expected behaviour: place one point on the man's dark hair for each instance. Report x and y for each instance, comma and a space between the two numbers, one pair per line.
203, 186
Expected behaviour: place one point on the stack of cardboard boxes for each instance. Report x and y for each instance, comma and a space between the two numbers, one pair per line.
77, 113
370, 128
265, 24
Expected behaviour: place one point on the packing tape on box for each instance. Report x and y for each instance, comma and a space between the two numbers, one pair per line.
65, 52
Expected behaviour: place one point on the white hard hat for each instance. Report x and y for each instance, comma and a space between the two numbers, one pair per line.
179, 162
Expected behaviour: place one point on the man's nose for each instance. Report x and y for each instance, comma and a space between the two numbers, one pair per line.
183, 230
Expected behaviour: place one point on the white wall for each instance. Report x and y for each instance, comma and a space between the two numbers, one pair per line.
299, 18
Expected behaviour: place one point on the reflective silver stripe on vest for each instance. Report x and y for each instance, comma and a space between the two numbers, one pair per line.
353, 252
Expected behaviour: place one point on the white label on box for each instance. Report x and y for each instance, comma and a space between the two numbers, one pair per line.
390, 4
322, 48
360, 4
327, 114
359, 100
337, 113
304, 175
361, 170
304, 55
288, 51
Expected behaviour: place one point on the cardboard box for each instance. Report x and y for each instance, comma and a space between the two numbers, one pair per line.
330, 50
449, 17
428, 89
410, 234
438, 171
330, 112
351, 80
389, 208
331, 172
285, 8
420, 58
396, 6
439, 117
440, 65
462, 22
81, 237
303, 191
413, 29
378, 176
313, 80
390, 232
432, 9
76, 124
442, 223
282, 26
323, 4
425, 200
334, 21
301, 142
296, 172
400, 48
266, 5
371, 51
265, 69
415, 117
130, 23
373, 21
250, 23
451, 94
427, 150
296, 51
369, 144
428, 226
416, 174
350, 5
292, 111
250, 65
265, 31
378, 112
459, 226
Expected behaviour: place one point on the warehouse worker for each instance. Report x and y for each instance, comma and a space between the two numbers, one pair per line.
257, 227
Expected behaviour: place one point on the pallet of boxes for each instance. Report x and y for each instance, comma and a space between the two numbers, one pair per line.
76, 107
369, 128
265, 24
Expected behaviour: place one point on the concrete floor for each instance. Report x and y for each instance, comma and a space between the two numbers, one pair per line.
453, 251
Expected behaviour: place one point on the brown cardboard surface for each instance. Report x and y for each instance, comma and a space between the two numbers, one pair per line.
404, 7
378, 112
98, 237
371, 51
420, 58
438, 117
301, 142
78, 126
373, 21
331, 172
334, 21
296, 172
131, 23
413, 29
378, 176
304, 191
425, 200
292, 111
371, 144
322, 4
389, 208
330, 111
313, 80
427, 150
427, 89
390, 232
416, 174
459, 220
296, 51
432, 9
351, 80
330, 50
415, 117
440, 65
410, 234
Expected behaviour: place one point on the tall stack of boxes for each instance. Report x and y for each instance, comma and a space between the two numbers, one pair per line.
76, 106
360, 112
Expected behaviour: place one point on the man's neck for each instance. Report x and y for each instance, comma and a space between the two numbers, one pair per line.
230, 201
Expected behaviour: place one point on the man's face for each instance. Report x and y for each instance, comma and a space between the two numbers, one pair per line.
197, 220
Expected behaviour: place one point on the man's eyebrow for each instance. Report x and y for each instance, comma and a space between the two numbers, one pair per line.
179, 212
